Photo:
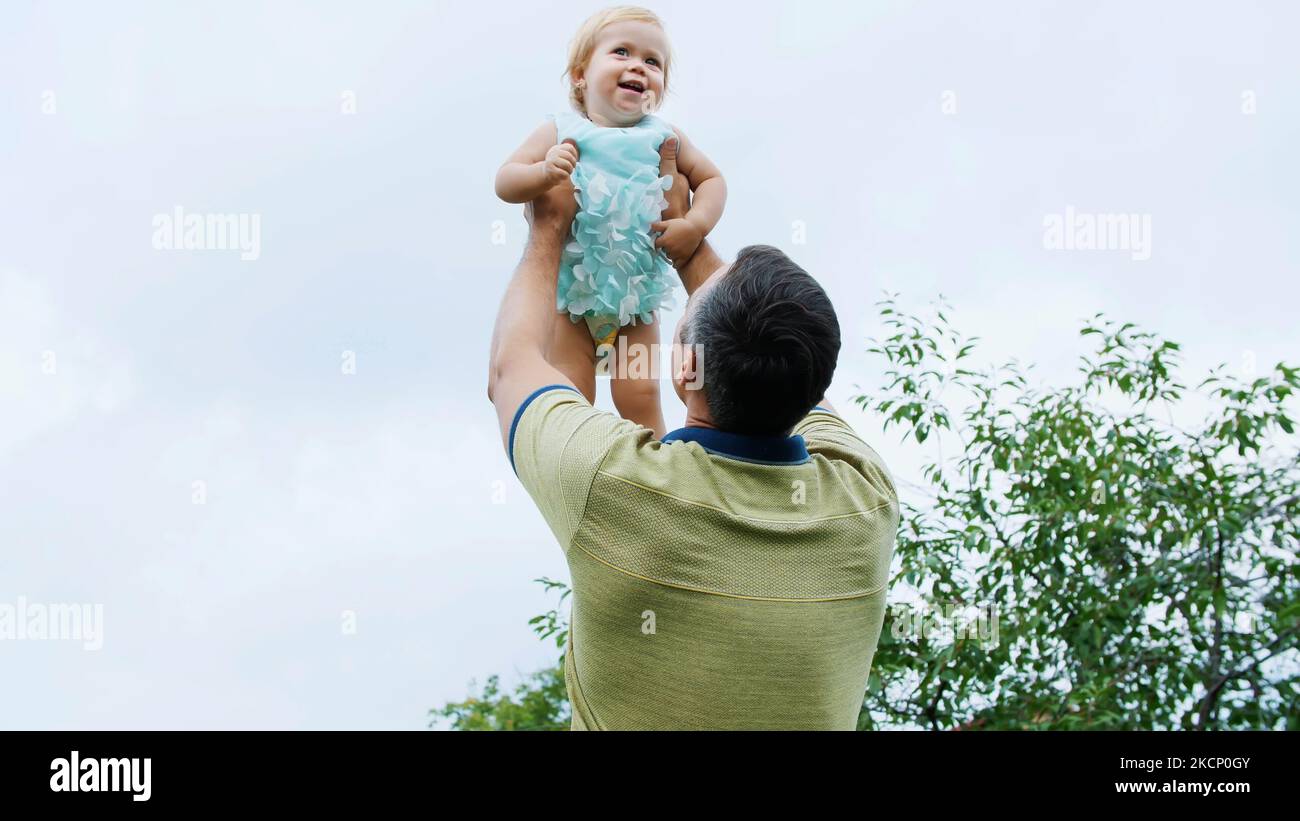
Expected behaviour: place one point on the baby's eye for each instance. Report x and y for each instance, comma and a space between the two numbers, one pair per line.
652, 61
621, 50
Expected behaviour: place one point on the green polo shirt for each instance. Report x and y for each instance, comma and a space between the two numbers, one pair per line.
720, 581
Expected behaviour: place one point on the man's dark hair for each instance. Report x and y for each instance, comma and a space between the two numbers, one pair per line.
769, 340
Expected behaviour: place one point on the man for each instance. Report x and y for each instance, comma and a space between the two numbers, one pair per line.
733, 574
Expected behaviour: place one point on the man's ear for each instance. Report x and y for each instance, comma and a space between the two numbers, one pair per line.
686, 364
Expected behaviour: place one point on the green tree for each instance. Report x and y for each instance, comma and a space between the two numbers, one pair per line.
1143, 575
1075, 561
538, 703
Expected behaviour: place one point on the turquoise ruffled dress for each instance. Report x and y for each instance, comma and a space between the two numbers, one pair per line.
611, 274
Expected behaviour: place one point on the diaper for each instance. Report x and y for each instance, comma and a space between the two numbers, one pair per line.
604, 329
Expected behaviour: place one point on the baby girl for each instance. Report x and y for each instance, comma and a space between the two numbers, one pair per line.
615, 274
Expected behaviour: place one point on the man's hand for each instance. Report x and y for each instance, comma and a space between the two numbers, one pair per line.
552, 213
679, 196
701, 263
678, 237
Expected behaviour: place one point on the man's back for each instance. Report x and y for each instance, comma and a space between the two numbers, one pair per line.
720, 581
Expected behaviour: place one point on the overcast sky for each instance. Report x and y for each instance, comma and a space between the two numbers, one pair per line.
916, 148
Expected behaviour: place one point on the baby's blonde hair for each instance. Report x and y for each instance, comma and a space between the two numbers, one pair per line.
584, 43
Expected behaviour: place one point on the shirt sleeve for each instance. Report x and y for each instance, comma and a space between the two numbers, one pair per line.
557, 442
827, 434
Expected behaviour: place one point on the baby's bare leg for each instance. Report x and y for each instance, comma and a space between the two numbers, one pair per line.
574, 354
633, 378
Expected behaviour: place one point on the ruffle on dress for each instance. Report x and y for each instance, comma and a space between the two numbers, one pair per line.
610, 266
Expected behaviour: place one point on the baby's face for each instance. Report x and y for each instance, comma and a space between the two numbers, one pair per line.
625, 75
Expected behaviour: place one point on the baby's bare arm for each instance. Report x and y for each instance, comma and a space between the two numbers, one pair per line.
707, 183
535, 166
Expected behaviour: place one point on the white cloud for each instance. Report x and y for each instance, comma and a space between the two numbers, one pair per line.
51, 369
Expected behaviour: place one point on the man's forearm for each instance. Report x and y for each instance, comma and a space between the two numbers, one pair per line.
702, 265
523, 326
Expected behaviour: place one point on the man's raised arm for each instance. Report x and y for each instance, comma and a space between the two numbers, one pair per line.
525, 322
704, 263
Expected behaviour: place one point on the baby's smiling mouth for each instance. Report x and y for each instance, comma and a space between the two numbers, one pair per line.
633, 85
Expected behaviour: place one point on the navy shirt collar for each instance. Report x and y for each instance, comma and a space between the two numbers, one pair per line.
766, 450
